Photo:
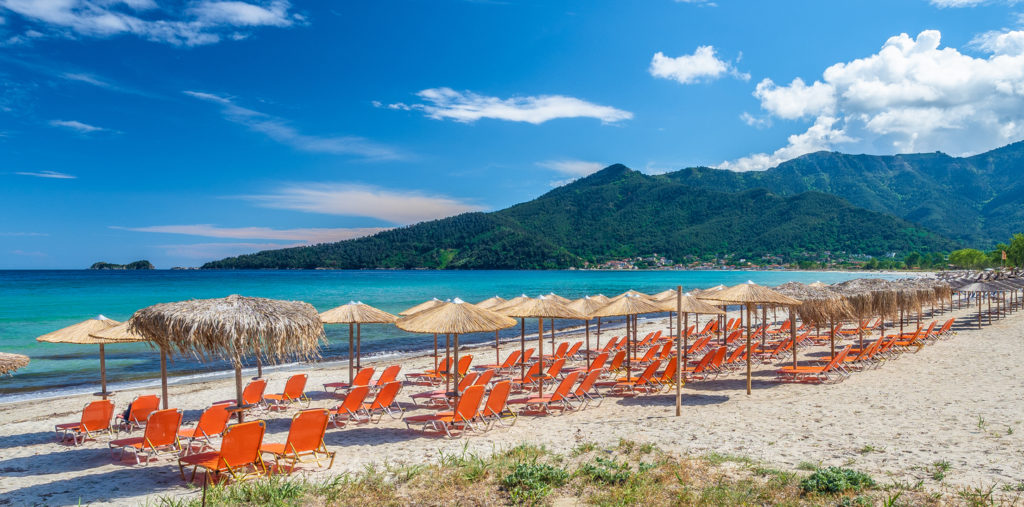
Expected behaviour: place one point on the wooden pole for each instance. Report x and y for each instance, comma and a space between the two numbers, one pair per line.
238, 389
163, 376
686, 338
447, 355
679, 364
540, 350
792, 331
586, 324
748, 348
352, 351
599, 333
497, 349
455, 372
978, 295
435, 359
764, 325
359, 344
552, 336
629, 356
522, 349
103, 374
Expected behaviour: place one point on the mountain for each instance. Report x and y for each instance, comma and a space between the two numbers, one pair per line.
615, 213
979, 199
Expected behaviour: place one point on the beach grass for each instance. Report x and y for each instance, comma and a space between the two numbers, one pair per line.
629, 473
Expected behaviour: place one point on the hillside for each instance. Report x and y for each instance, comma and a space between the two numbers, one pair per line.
979, 199
137, 265
614, 213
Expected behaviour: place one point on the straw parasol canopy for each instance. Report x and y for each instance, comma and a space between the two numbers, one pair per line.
356, 313
691, 304
817, 284
750, 295
491, 302
232, 328
586, 305
709, 290
456, 317
11, 362
92, 332
820, 304
426, 305
628, 305
510, 303
542, 307
556, 297
600, 298
665, 294
632, 293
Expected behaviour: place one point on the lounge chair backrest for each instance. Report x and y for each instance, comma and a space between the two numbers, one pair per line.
354, 399
527, 355
390, 374
838, 359
562, 391
599, 361
556, 366
307, 431
162, 427
498, 398
213, 420
97, 415
511, 360
362, 377
464, 363
704, 361
253, 392
241, 444
735, 355
670, 370
588, 382
142, 406
561, 350
574, 349
484, 378
469, 403
648, 373
716, 361
649, 355
444, 365
620, 356
735, 335
386, 395
467, 381
608, 345
295, 387
531, 372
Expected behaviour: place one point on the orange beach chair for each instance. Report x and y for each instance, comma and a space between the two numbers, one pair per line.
239, 455
96, 416
305, 438
159, 437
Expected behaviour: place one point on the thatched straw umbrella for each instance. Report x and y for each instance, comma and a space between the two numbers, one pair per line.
356, 313
556, 297
426, 305
541, 307
120, 334
232, 328
455, 318
490, 304
684, 305
522, 322
667, 295
628, 306
11, 362
819, 305
817, 284
750, 295
82, 334
700, 293
979, 288
587, 305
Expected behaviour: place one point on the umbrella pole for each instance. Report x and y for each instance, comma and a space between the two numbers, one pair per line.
435, 356
792, 331
686, 338
832, 337
552, 335
586, 324
722, 322
103, 374
629, 346
748, 348
447, 357
764, 325
670, 324
359, 343
259, 367
351, 351
978, 295
522, 349
989, 298
163, 376
599, 333
497, 349
238, 389
679, 364
540, 350
455, 372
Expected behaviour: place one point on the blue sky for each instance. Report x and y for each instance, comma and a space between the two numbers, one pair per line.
186, 131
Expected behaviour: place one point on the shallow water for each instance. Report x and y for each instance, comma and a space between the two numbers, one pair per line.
33, 303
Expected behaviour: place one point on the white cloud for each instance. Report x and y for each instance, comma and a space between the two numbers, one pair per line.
77, 126
279, 130
702, 65
760, 122
395, 206
576, 168
48, 174
310, 235
957, 3
911, 96
204, 22
467, 107
702, 3
1003, 42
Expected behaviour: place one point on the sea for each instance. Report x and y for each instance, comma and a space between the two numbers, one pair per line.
33, 303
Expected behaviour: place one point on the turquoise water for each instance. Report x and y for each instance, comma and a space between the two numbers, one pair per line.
33, 303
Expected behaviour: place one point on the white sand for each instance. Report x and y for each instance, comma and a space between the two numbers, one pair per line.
959, 400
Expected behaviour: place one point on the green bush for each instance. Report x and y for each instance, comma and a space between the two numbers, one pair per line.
836, 480
529, 483
607, 471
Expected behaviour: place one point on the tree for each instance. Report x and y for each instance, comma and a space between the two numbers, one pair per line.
913, 259
1015, 253
968, 258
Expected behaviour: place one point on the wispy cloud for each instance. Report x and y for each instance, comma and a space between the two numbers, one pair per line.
702, 3
209, 251
395, 206
702, 65
23, 234
467, 107
309, 235
573, 168
48, 174
77, 126
202, 22
279, 130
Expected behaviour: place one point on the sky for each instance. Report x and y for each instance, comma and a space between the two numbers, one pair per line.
189, 130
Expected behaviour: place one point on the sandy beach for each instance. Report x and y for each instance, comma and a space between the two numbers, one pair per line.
957, 400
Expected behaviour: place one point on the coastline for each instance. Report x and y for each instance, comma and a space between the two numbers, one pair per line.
914, 411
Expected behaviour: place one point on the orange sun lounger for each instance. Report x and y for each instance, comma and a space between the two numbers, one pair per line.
294, 392
160, 436
211, 424
96, 416
466, 410
305, 439
361, 378
239, 455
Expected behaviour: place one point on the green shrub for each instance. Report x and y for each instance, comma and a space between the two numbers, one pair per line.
836, 480
607, 471
529, 483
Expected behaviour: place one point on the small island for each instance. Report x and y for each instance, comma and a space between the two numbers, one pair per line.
137, 265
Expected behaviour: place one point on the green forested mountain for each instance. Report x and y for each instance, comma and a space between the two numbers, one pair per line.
977, 199
614, 213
